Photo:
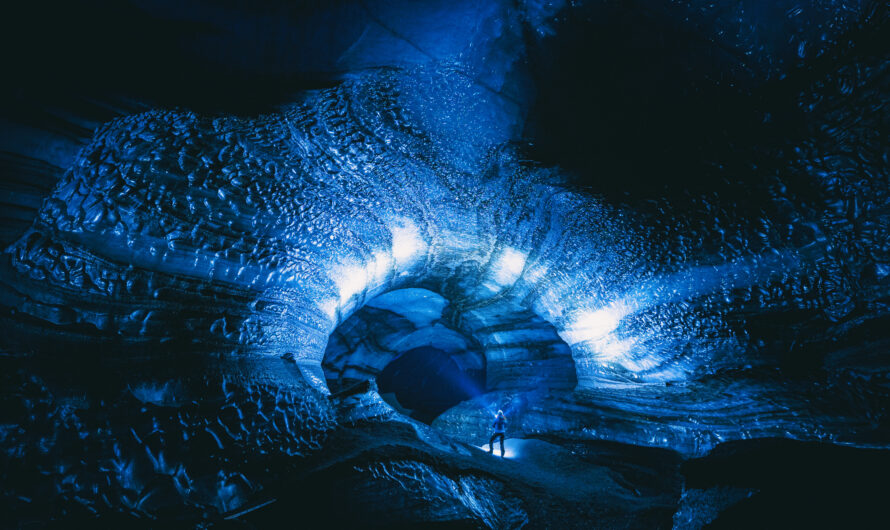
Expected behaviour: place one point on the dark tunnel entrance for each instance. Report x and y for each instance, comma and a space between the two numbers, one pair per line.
429, 355
426, 381
407, 341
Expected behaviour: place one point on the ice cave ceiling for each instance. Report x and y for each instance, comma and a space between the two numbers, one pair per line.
660, 223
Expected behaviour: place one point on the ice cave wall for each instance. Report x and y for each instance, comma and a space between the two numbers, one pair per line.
303, 216
197, 279
257, 237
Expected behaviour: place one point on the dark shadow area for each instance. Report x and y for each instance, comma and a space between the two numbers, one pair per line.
636, 101
798, 484
427, 381
226, 58
629, 100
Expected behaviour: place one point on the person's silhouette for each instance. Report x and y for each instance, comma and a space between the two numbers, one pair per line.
500, 428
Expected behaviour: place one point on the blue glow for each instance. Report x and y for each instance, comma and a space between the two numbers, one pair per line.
690, 251
508, 266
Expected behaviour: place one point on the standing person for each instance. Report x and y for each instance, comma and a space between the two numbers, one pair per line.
500, 427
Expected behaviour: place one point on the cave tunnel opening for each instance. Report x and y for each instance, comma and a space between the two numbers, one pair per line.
426, 381
429, 354
409, 343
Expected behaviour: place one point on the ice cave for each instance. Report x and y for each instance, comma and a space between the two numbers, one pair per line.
282, 262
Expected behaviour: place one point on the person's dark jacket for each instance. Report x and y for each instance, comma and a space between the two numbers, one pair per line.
500, 424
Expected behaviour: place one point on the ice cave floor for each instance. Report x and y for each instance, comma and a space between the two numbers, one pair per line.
393, 472
240, 456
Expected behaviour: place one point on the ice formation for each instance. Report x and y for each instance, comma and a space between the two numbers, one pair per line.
236, 270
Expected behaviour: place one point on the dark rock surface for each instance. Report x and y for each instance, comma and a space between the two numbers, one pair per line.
790, 483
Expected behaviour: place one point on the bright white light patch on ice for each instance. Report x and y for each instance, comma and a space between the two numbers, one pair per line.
351, 280
593, 325
612, 350
510, 449
508, 267
354, 279
329, 307
597, 328
406, 243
